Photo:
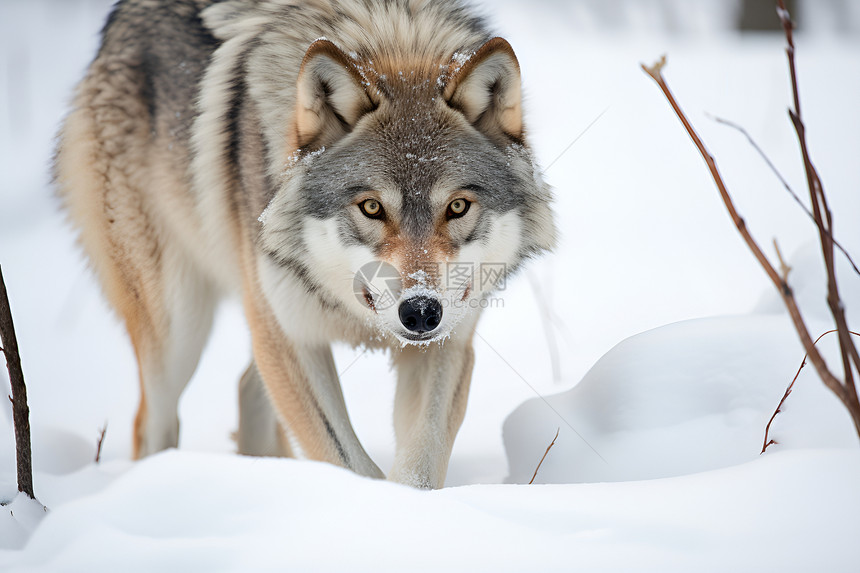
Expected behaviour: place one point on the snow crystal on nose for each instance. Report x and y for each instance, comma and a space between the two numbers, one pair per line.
419, 276
422, 287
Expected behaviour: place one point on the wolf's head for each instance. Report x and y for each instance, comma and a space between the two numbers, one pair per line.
411, 194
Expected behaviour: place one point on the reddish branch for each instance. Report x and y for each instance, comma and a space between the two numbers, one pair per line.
20, 410
824, 218
767, 442
785, 184
844, 390
548, 448
847, 348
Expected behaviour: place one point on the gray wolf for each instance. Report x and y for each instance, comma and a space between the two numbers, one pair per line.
270, 150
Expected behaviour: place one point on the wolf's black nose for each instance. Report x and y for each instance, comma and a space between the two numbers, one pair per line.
420, 314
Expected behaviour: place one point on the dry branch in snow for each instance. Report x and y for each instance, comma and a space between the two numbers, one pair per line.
99, 444
20, 410
767, 441
845, 389
548, 448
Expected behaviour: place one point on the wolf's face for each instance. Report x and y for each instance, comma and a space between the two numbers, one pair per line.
412, 196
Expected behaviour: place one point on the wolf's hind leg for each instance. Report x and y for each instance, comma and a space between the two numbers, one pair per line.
168, 357
260, 432
120, 194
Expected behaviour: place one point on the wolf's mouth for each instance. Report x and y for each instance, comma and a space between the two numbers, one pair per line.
368, 298
427, 337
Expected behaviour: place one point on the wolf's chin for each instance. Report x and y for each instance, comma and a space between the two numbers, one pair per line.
410, 338
417, 340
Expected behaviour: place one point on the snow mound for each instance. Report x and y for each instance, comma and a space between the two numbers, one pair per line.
182, 511
684, 398
18, 518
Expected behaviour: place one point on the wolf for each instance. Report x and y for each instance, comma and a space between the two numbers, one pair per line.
271, 150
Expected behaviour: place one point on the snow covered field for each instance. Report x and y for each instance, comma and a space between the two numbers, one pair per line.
671, 349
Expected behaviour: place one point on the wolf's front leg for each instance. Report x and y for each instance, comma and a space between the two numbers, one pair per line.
432, 390
302, 383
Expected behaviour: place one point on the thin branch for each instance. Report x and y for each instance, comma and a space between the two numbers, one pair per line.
788, 390
824, 220
782, 286
784, 267
548, 448
656, 74
785, 184
20, 410
100, 442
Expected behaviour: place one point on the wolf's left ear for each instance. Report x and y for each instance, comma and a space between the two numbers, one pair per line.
486, 88
330, 97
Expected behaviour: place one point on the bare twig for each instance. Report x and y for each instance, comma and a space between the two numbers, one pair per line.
824, 222
20, 410
788, 390
846, 395
548, 448
785, 184
784, 267
100, 442
656, 74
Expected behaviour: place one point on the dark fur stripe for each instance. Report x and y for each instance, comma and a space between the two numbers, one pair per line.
238, 88
341, 451
303, 273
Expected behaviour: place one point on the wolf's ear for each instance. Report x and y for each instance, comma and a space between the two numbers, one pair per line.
486, 89
330, 95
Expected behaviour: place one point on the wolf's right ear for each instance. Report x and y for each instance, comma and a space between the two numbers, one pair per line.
330, 98
486, 88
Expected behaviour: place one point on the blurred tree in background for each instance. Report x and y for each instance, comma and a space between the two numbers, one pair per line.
761, 15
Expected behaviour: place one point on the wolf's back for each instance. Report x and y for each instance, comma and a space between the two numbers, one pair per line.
156, 52
122, 159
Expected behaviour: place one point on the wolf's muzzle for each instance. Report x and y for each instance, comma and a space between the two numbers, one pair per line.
420, 314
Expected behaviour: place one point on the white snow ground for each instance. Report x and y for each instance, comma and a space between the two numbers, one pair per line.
668, 476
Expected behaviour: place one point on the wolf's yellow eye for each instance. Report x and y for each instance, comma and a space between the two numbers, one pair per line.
371, 208
458, 208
